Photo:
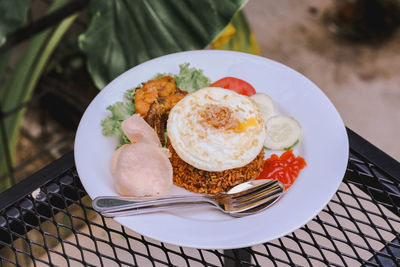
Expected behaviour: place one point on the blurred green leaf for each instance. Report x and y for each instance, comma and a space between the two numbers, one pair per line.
238, 36
124, 33
4, 57
24, 77
13, 14
14, 91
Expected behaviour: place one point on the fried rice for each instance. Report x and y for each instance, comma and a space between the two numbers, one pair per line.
200, 181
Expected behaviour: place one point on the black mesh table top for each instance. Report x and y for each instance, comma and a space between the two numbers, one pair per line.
47, 219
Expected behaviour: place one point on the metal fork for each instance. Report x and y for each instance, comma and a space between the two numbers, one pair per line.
261, 192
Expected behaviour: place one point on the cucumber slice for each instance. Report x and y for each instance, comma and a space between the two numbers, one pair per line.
265, 104
293, 145
282, 132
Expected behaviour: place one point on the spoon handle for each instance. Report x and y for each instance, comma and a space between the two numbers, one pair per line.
115, 203
151, 209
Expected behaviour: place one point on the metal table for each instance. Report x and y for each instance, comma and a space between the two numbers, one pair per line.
47, 219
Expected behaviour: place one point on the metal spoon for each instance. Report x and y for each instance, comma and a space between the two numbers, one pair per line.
242, 200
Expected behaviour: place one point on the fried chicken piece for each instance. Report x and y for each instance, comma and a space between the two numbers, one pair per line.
170, 101
154, 101
157, 118
151, 91
165, 85
144, 99
158, 113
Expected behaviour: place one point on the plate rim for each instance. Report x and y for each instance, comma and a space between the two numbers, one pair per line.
231, 53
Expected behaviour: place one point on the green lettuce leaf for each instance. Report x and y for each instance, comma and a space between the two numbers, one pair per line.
112, 124
188, 79
130, 94
191, 79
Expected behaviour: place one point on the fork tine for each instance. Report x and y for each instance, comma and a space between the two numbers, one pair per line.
264, 193
254, 190
256, 199
261, 192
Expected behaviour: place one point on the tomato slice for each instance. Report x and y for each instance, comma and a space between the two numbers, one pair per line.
235, 84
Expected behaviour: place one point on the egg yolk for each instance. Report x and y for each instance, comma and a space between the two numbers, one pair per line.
242, 126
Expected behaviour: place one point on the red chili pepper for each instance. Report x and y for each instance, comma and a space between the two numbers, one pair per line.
235, 84
285, 168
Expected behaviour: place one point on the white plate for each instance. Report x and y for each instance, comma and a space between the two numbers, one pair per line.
324, 146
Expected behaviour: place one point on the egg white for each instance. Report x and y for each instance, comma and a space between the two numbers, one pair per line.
210, 148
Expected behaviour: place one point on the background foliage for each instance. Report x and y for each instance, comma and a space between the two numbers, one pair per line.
119, 35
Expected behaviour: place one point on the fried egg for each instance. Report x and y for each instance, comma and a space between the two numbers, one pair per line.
216, 129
